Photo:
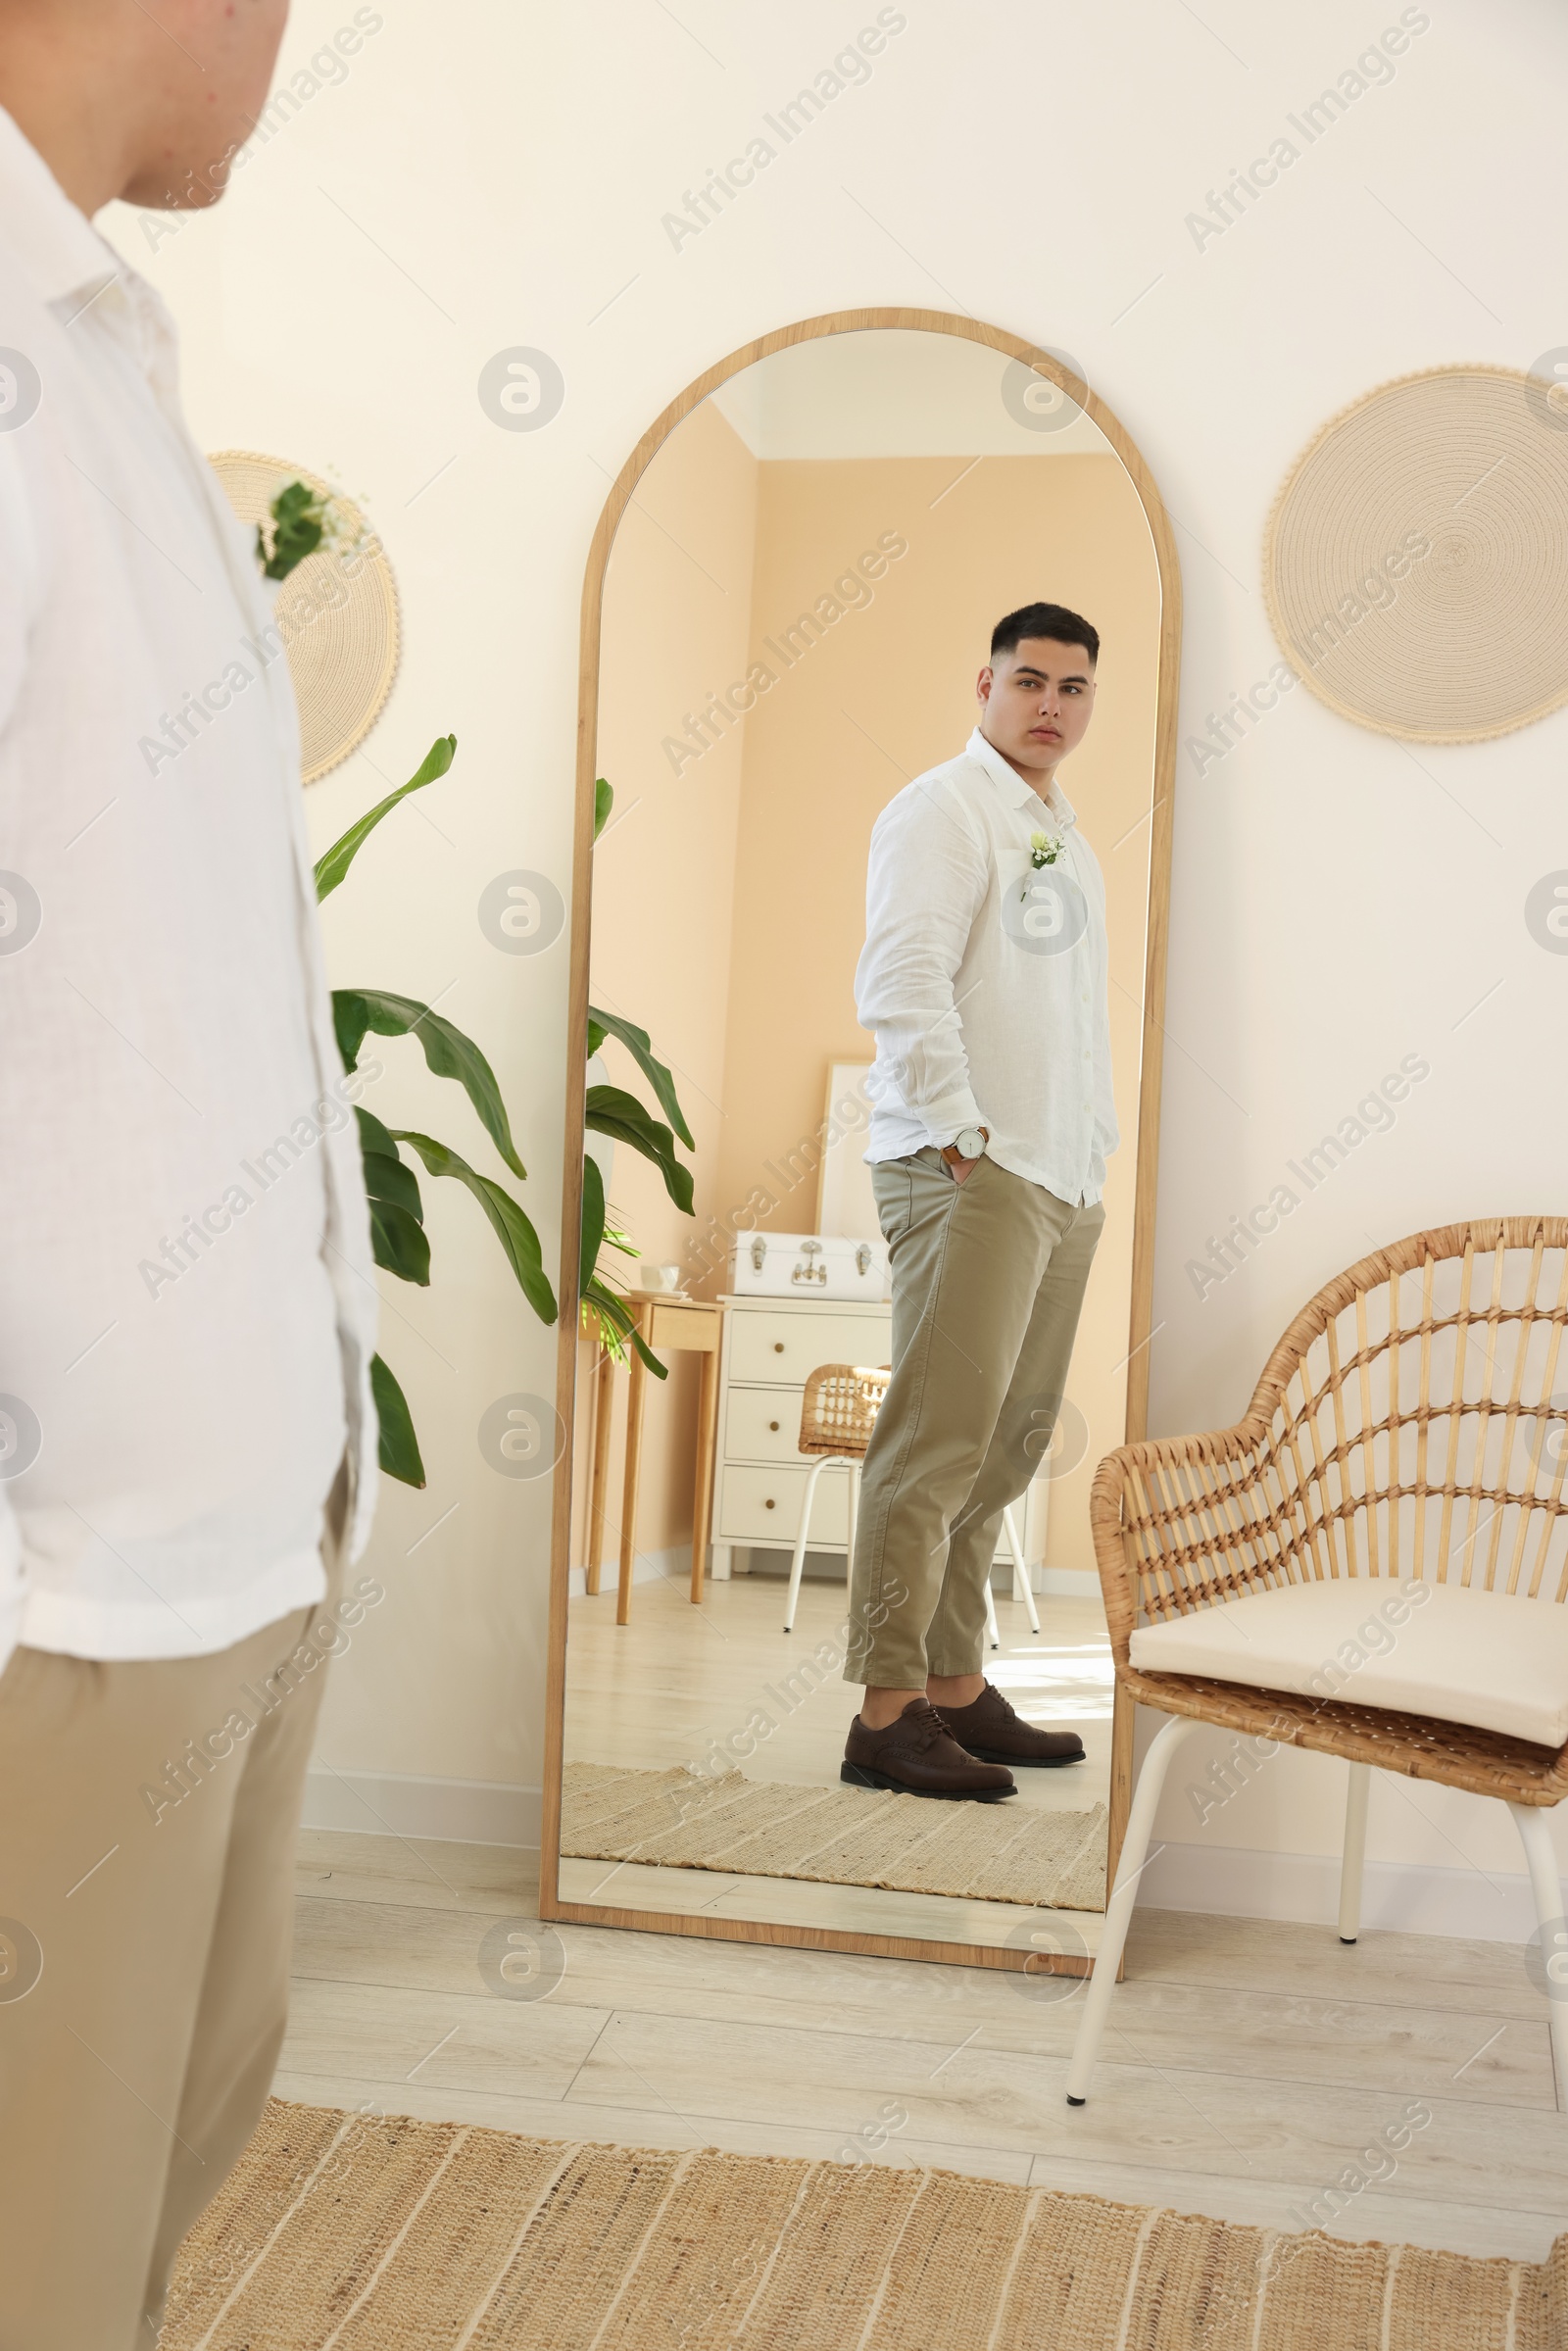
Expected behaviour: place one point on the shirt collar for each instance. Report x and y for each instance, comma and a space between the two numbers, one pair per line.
56, 245
1010, 783
76, 270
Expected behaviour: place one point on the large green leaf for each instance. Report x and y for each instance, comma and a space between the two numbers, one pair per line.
449, 1053
373, 1136
386, 1178
398, 1242
512, 1228
611, 1110
621, 1319
399, 1448
593, 1221
335, 864
604, 801
640, 1047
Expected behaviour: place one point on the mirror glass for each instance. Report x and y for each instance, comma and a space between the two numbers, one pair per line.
798, 601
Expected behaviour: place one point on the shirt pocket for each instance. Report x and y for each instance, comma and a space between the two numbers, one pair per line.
1043, 909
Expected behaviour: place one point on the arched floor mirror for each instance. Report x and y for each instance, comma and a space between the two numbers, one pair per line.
790, 594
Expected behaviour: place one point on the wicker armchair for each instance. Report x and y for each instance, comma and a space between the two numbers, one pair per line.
1409, 1426
837, 1412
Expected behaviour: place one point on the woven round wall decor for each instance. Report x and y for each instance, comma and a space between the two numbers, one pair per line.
336, 612
1415, 564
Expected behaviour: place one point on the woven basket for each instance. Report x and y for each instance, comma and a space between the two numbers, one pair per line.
1412, 1423
839, 1408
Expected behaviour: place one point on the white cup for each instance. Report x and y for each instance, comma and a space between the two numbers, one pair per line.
661, 1280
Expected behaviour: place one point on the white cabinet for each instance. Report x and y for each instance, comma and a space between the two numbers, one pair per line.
770, 1345
782, 1341
764, 1505
760, 1424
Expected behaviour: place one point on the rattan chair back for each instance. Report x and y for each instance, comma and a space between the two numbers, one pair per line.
839, 1408
1412, 1423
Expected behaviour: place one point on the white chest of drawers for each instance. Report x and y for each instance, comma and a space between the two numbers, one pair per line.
770, 1345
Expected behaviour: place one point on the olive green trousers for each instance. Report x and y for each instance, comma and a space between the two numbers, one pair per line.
987, 1282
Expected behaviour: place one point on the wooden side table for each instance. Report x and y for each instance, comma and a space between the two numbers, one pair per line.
667, 1325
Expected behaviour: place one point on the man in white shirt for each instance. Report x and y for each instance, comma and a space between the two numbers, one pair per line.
984, 977
187, 1446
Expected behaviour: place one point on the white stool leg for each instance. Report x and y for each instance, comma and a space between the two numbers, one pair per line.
799, 1561
853, 1468
1534, 1833
1354, 1857
1119, 1909
1020, 1574
993, 1629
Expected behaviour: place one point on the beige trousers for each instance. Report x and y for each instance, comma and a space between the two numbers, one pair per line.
988, 1280
146, 1915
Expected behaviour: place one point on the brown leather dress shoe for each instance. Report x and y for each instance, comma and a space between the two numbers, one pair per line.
914, 1755
989, 1729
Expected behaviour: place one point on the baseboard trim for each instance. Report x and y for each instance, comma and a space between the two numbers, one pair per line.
1225, 1881
1304, 1889
647, 1567
474, 1812
1068, 1583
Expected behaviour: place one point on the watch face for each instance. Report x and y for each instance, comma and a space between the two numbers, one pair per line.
970, 1142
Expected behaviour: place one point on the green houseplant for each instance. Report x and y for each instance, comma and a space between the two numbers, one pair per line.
300, 522
398, 1237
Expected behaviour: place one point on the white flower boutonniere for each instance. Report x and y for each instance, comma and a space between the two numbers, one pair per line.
1045, 849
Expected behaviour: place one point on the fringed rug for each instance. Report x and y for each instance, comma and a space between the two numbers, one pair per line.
679, 1819
344, 2232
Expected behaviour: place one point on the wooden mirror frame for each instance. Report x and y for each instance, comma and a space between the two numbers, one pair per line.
806, 330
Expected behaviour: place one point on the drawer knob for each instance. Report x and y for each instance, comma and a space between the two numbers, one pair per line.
774, 1424
778, 1346
768, 1505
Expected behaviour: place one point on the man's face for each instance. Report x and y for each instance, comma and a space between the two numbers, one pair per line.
1036, 702
214, 62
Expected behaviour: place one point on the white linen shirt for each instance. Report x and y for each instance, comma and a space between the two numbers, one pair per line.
185, 1329
985, 978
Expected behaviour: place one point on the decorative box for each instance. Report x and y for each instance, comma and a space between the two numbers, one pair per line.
808, 1266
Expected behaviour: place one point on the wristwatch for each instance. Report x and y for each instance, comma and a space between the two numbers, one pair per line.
968, 1144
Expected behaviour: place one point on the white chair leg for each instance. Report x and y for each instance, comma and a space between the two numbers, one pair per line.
993, 1629
821, 1462
1119, 1909
1534, 1824
1351, 1865
1020, 1574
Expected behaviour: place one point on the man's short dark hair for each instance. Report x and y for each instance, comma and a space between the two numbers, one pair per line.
1044, 621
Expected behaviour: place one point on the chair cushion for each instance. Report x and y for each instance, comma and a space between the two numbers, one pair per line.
1496, 1662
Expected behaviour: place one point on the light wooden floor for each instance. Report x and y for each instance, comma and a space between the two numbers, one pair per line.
664, 1688
1247, 2063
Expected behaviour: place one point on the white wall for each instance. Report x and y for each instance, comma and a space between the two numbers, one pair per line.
497, 178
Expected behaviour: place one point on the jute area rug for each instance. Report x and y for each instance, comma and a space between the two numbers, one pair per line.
343, 2233
1009, 1852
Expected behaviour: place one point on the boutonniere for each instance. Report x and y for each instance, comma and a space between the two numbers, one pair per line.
1045, 849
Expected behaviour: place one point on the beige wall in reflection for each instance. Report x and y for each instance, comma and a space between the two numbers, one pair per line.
676, 623
729, 909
